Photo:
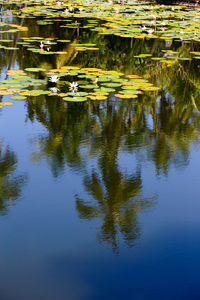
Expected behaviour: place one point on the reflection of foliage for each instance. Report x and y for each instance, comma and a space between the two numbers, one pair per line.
105, 128
174, 120
118, 195
10, 186
176, 128
66, 127
161, 127
118, 203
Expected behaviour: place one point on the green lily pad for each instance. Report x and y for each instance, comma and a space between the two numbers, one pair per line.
18, 97
78, 94
35, 70
112, 84
75, 99
88, 86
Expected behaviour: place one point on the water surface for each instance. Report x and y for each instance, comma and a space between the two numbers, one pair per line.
100, 199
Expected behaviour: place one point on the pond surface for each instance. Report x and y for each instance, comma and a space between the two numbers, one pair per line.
99, 151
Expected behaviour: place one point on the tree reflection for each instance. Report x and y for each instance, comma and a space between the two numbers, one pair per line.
117, 203
10, 184
118, 196
117, 199
159, 127
99, 127
104, 129
67, 126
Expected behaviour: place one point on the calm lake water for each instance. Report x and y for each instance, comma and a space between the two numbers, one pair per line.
100, 199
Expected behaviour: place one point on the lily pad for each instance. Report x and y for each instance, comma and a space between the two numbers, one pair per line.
75, 99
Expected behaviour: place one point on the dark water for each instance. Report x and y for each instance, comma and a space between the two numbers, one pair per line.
100, 200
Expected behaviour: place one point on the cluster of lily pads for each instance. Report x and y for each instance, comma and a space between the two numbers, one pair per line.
9, 28
73, 84
19, 85
45, 45
123, 18
169, 57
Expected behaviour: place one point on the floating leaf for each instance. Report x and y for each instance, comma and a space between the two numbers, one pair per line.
18, 98
35, 70
75, 99
88, 86
112, 84
128, 96
6, 103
